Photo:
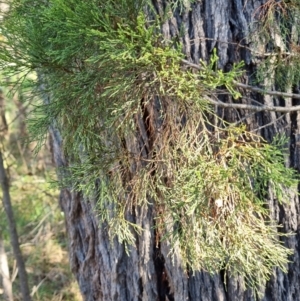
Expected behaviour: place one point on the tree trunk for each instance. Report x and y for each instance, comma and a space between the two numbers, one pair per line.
103, 269
14, 238
4, 272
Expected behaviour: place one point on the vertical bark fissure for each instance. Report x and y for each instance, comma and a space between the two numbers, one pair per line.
149, 273
150, 125
163, 285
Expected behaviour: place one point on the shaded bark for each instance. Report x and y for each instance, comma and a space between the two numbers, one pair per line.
3, 121
103, 269
13, 232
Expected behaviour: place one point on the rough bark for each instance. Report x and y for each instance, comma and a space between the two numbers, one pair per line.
103, 269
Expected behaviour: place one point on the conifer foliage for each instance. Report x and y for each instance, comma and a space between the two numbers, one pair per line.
113, 80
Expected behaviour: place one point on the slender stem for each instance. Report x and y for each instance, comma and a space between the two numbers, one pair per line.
13, 232
254, 89
252, 107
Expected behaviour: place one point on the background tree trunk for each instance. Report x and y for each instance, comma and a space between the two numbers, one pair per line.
4, 272
14, 238
103, 269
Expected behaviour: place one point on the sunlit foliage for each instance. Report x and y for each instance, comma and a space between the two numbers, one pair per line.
100, 66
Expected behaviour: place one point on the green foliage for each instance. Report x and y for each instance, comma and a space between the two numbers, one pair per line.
217, 202
42, 237
38, 217
114, 81
279, 29
216, 78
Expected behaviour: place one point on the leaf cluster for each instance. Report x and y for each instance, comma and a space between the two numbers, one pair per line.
218, 202
108, 80
278, 28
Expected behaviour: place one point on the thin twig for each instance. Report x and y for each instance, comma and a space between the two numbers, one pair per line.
254, 89
268, 124
18, 115
247, 87
243, 119
268, 92
256, 54
252, 107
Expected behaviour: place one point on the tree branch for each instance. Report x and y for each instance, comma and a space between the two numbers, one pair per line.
268, 92
252, 107
254, 89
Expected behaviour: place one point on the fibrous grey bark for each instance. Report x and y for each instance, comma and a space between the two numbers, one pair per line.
103, 269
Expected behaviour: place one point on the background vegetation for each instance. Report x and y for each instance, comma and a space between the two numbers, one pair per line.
40, 223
